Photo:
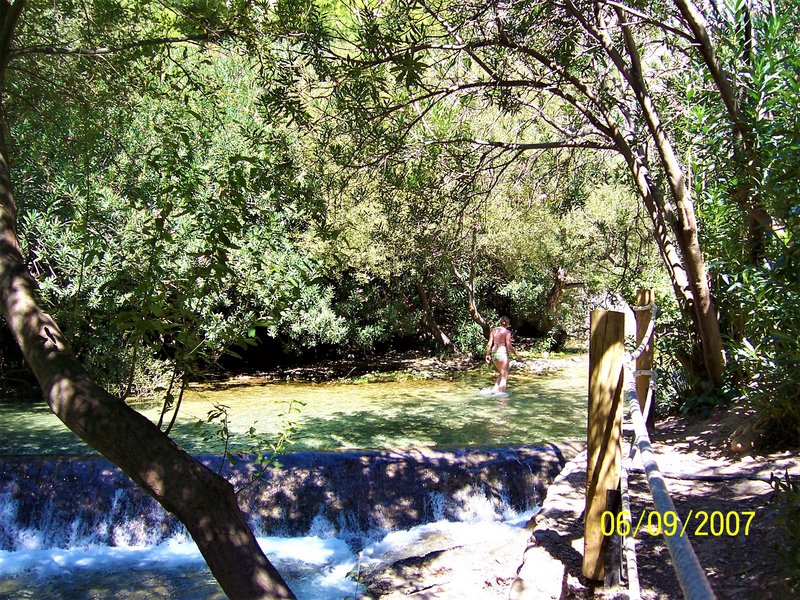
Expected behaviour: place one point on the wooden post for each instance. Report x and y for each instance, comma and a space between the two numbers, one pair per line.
604, 432
612, 556
645, 360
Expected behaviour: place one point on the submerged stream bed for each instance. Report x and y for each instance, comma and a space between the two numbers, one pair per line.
346, 416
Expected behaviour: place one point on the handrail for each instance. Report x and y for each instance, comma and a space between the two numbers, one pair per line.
628, 543
651, 389
648, 334
691, 577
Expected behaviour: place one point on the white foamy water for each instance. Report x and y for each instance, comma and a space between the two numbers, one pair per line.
314, 567
319, 566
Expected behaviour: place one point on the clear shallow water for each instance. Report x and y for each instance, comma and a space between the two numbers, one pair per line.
336, 416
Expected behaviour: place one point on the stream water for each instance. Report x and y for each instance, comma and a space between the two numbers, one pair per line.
340, 416
119, 546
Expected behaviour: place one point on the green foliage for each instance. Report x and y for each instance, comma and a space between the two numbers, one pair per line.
468, 337
179, 240
218, 416
260, 450
679, 389
786, 501
768, 357
757, 283
301, 181
377, 312
311, 320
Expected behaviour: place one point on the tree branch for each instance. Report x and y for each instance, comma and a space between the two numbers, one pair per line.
525, 145
649, 20
105, 50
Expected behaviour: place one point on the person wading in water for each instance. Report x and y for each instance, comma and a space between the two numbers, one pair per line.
498, 350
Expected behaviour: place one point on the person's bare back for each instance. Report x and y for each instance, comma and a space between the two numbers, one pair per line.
498, 351
500, 338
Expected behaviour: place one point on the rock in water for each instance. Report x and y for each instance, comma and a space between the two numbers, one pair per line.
452, 560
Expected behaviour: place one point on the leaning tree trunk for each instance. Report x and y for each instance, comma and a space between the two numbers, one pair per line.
439, 336
681, 220
684, 226
671, 258
472, 301
204, 502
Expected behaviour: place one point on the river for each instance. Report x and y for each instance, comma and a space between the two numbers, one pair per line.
131, 550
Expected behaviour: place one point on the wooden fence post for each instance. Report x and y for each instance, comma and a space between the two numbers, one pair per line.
644, 362
604, 432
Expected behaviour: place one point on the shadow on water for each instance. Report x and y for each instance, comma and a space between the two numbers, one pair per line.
192, 581
29, 427
339, 416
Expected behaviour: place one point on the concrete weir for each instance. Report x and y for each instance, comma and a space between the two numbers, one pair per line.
65, 501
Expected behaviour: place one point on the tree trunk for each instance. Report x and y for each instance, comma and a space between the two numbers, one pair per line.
557, 290
439, 336
681, 220
546, 320
673, 262
472, 303
204, 502
684, 226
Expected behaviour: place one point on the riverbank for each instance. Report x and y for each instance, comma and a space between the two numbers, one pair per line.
401, 366
393, 365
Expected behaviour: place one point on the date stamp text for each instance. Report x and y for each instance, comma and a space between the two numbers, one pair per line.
696, 523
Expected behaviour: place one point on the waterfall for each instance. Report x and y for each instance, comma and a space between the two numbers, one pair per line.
69, 501
338, 503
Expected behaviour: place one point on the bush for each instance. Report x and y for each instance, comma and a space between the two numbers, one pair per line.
787, 545
468, 337
767, 359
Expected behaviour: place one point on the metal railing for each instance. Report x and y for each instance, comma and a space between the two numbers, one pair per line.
690, 573
612, 380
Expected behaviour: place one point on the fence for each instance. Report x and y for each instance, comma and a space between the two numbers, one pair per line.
610, 379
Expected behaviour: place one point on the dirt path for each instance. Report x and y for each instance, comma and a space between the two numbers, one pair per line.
702, 477
738, 566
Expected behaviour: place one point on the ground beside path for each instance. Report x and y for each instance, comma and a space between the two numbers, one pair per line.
544, 561
702, 477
